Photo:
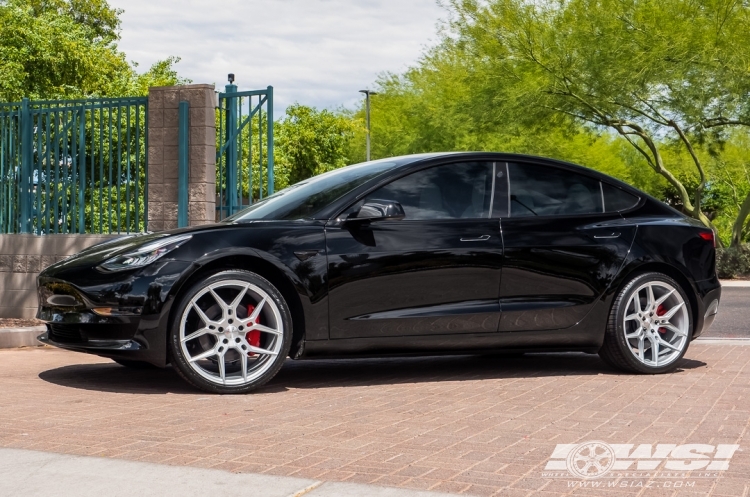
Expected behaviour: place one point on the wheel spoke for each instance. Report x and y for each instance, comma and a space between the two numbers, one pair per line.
654, 350
256, 312
243, 362
663, 298
634, 334
196, 334
667, 344
641, 346
266, 329
257, 350
237, 300
668, 315
222, 368
650, 297
204, 355
674, 329
632, 317
219, 301
202, 315
637, 302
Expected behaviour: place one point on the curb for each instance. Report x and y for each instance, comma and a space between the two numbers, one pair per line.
12, 338
735, 283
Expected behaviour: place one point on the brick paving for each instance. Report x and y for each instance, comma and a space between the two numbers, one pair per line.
474, 425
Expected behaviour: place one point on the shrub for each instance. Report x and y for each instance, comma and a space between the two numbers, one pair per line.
733, 262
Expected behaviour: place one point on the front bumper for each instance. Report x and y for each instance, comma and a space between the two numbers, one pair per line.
93, 346
118, 315
114, 342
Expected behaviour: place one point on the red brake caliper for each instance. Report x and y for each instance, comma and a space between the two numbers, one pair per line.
253, 336
660, 311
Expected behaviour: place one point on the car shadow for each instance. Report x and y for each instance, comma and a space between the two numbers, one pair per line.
331, 373
111, 377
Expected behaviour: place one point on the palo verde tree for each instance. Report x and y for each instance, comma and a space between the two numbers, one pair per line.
659, 73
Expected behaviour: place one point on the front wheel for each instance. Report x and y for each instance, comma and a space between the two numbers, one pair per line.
649, 326
231, 333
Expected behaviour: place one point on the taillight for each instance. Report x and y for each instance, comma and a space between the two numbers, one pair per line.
708, 236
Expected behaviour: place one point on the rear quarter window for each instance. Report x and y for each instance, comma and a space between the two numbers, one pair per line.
616, 199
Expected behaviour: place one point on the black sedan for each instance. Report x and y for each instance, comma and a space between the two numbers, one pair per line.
426, 254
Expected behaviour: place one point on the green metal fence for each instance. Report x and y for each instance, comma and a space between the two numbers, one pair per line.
74, 166
244, 152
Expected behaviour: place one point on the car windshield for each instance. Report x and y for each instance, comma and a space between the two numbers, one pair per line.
303, 199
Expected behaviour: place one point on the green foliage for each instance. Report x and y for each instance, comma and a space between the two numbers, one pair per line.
54, 49
653, 92
733, 262
309, 142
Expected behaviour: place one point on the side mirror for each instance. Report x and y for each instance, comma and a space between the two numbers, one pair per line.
379, 210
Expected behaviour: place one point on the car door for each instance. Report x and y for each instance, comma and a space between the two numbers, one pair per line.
564, 244
436, 271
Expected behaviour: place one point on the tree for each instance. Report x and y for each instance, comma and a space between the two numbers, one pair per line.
657, 72
310, 142
55, 49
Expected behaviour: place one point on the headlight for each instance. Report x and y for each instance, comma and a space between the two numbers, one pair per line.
145, 255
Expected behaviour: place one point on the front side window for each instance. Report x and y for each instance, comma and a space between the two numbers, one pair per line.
453, 191
548, 191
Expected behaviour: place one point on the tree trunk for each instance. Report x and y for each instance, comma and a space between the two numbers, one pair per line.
739, 223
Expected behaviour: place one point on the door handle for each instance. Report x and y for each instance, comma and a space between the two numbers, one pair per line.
482, 238
614, 234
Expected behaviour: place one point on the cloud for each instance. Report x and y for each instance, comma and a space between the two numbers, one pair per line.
316, 52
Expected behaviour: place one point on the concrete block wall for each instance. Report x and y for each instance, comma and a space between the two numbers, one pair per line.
163, 103
22, 257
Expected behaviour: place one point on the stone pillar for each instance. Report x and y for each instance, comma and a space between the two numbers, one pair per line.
163, 105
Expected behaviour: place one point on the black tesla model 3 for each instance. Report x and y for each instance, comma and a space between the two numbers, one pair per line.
426, 254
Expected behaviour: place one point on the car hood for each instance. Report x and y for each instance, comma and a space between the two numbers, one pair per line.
96, 254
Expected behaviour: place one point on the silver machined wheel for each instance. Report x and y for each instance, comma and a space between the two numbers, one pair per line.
656, 324
230, 332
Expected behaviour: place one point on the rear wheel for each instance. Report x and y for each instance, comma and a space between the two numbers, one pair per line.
231, 333
649, 326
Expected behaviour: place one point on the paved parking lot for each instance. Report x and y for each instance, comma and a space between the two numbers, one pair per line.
475, 425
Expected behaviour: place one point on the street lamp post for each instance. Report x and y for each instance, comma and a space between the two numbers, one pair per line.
367, 117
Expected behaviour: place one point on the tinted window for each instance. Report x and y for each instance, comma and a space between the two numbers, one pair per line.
548, 191
452, 191
616, 199
307, 197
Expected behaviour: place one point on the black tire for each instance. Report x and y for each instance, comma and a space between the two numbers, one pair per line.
135, 364
180, 362
616, 351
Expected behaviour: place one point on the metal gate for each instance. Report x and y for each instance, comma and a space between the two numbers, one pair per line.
74, 166
242, 154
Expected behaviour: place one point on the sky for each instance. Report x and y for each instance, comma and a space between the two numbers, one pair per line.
315, 52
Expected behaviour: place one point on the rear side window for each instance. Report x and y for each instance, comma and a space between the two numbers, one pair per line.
616, 199
548, 191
